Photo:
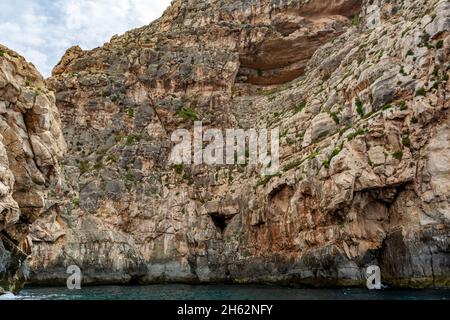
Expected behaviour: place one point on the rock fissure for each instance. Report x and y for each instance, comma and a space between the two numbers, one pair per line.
354, 87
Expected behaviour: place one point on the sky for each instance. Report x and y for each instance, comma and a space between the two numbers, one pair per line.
42, 30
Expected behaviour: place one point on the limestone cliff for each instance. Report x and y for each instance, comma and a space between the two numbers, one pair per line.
31, 145
360, 92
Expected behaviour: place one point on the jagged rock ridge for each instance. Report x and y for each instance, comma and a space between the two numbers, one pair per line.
31, 145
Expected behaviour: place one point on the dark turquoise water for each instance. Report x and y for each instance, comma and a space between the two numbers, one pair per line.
222, 292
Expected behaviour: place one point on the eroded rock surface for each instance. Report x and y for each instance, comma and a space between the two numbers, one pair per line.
31, 145
360, 92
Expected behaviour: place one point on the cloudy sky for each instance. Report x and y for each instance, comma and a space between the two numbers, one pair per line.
42, 30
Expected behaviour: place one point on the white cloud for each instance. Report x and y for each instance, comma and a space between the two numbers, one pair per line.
42, 30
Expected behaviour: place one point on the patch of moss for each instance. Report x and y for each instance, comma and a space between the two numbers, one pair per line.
359, 132
335, 117
118, 138
293, 164
76, 202
359, 107
179, 168
129, 176
300, 106
83, 166
264, 181
132, 138
356, 20
259, 72
98, 166
405, 32
406, 141
402, 71
402, 105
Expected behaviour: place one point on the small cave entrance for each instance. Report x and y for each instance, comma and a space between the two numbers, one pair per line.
282, 51
220, 221
279, 199
272, 64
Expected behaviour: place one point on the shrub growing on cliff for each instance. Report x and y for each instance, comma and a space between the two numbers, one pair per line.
359, 107
2, 53
359, 132
188, 114
440, 44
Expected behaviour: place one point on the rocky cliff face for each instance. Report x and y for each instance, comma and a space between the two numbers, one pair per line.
31, 145
360, 92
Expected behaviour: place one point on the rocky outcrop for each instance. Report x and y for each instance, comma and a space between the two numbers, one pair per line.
359, 90
31, 145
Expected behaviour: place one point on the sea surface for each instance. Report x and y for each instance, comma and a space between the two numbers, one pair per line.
220, 292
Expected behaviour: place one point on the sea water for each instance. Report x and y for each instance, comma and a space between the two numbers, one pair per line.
221, 292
